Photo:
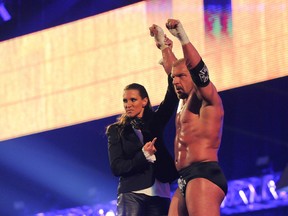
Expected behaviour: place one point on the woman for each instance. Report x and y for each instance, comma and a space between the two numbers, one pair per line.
138, 156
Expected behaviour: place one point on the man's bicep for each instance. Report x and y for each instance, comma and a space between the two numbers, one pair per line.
209, 94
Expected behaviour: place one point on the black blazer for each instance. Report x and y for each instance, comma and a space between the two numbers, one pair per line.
126, 158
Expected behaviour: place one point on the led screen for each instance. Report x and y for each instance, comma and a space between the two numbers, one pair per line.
75, 72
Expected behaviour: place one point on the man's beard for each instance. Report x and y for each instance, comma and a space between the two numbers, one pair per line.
182, 95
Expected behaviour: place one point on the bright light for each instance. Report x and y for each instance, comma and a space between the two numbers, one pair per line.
272, 188
243, 197
252, 193
4, 13
101, 211
110, 213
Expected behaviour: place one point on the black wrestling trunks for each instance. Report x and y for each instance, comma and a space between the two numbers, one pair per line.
208, 170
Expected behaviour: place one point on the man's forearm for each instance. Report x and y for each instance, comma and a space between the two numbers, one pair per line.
168, 59
191, 55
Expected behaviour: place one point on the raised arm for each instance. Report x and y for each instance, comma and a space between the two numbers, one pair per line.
165, 45
168, 105
197, 68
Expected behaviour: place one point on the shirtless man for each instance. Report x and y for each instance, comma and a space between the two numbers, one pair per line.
202, 185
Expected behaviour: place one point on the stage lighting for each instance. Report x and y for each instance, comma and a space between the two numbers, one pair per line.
4, 14
272, 188
243, 197
241, 192
110, 213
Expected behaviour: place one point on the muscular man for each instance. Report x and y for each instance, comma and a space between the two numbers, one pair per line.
202, 185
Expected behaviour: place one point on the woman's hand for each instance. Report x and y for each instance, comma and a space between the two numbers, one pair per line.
149, 146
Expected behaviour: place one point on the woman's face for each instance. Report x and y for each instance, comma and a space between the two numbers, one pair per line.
133, 103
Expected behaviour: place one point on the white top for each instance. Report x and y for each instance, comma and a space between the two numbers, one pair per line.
157, 189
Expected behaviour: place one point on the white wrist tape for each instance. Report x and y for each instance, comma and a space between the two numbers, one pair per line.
180, 33
182, 36
160, 38
150, 158
163, 46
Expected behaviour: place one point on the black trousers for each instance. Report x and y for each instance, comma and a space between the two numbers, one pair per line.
133, 204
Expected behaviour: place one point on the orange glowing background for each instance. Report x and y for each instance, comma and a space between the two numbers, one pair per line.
75, 72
